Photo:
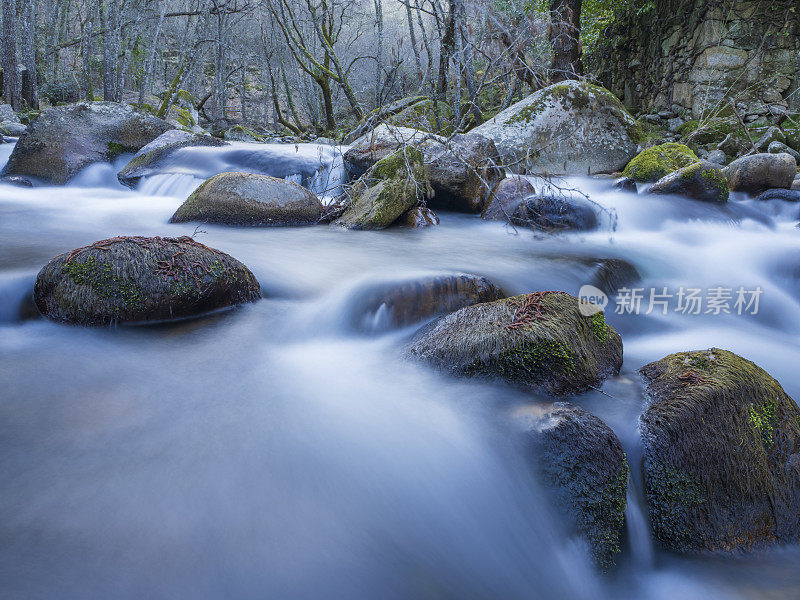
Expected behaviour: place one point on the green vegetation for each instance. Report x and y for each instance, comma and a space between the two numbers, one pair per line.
654, 163
764, 421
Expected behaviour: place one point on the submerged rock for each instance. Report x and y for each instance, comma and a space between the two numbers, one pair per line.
572, 128
65, 139
721, 453
462, 168
141, 279
540, 341
506, 198
418, 217
612, 274
12, 129
787, 195
625, 184
250, 199
760, 172
658, 161
17, 180
148, 160
543, 212
393, 186
405, 302
701, 181
581, 460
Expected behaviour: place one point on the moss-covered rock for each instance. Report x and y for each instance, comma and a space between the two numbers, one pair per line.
65, 139
141, 279
721, 453
540, 340
240, 133
250, 199
657, 161
463, 168
568, 128
759, 172
151, 158
394, 185
402, 302
580, 459
701, 181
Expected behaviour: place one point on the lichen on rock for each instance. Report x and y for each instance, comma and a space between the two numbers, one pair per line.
540, 341
721, 453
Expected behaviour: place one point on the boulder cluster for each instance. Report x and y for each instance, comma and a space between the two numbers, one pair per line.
721, 438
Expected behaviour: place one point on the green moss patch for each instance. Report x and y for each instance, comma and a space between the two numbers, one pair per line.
654, 163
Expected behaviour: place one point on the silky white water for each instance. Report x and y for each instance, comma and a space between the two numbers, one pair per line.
275, 451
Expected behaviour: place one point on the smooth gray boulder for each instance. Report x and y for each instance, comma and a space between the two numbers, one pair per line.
569, 128
65, 139
250, 199
759, 172
152, 157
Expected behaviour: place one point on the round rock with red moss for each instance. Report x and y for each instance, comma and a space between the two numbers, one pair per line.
141, 279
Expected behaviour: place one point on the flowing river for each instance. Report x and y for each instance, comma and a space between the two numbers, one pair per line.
274, 451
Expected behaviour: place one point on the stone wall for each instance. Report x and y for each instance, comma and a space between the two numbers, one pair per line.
694, 55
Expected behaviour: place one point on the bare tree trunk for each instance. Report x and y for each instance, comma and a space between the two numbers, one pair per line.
413, 36
11, 83
243, 90
379, 54
110, 18
220, 80
565, 38
54, 16
447, 48
147, 79
87, 50
30, 83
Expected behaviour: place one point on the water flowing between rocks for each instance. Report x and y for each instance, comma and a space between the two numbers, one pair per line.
274, 451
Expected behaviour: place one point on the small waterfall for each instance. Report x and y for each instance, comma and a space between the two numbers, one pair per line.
5, 151
178, 185
318, 167
639, 538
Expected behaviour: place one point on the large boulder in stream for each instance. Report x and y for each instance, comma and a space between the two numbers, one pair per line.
659, 161
700, 181
151, 158
393, 186
569, 128
759, 172
402, 302
463, 169
721, 453
581, 461
250, 199
65, 139
141, 279
544, 340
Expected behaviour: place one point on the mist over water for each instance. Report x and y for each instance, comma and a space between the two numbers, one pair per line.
277, 451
